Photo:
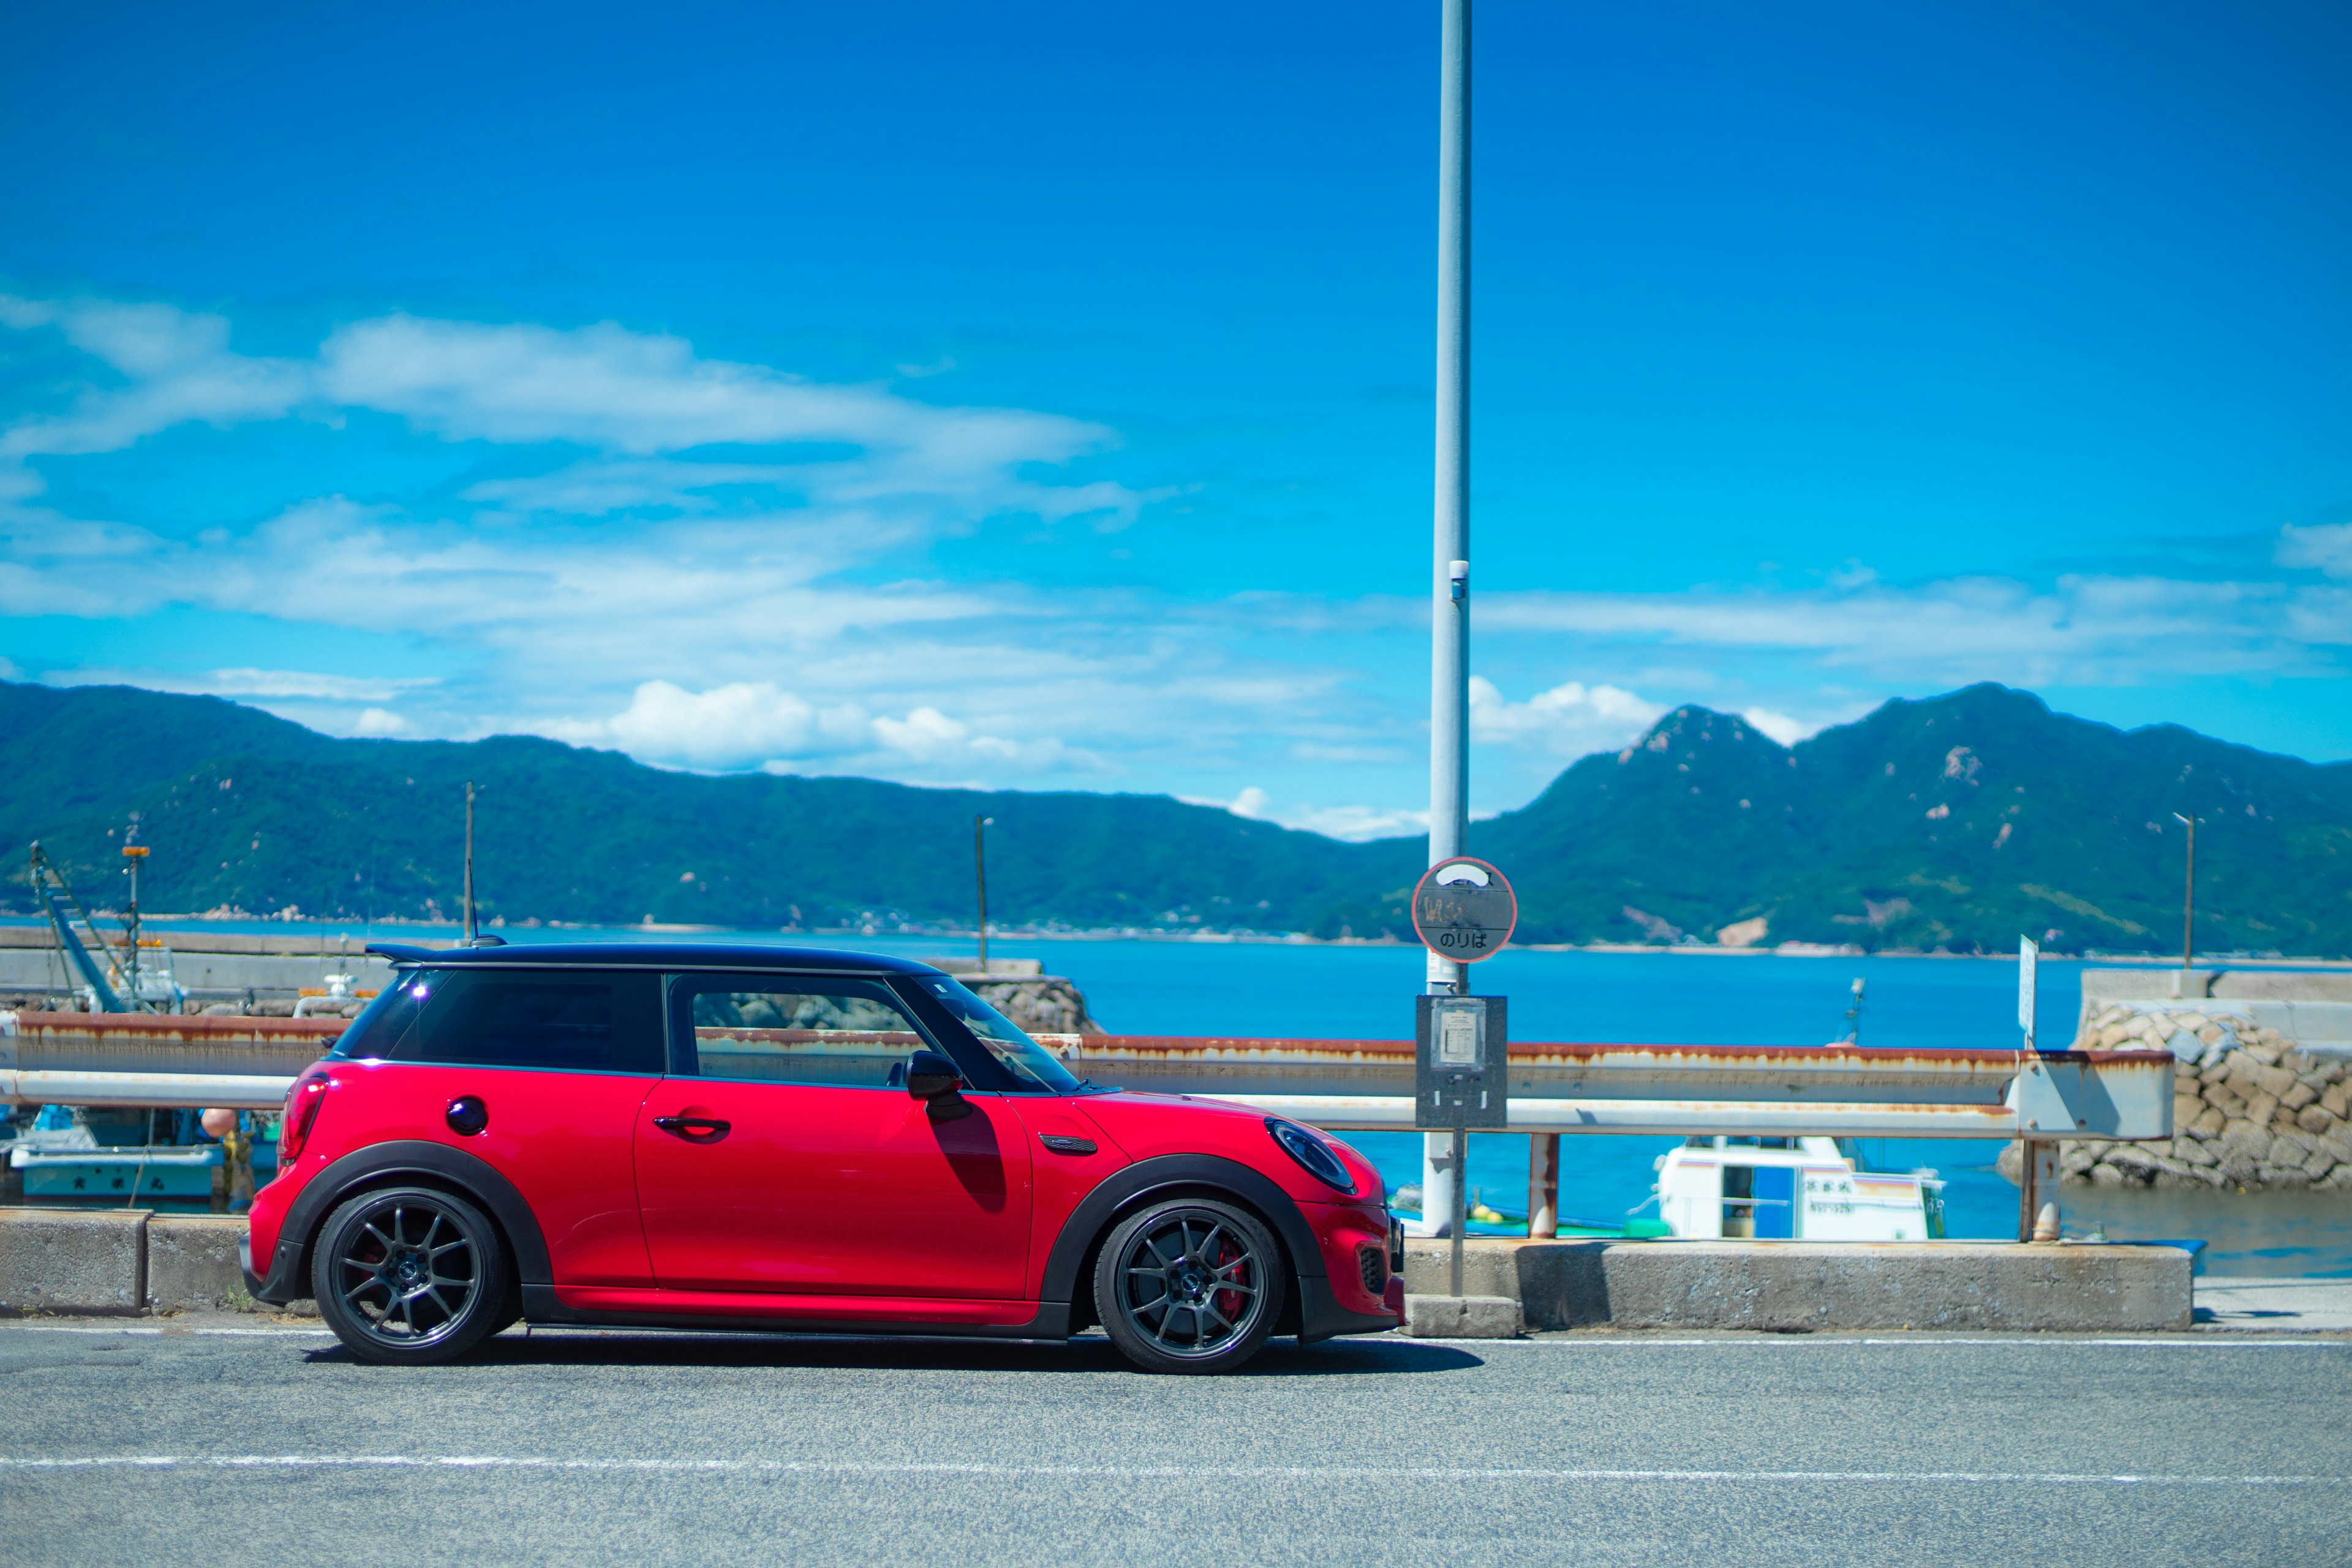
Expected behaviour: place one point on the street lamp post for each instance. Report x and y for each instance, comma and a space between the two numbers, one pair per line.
1444, 1154
473, 930
980, 875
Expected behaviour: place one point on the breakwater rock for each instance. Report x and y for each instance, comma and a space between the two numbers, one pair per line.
2249, 1108
1020, 988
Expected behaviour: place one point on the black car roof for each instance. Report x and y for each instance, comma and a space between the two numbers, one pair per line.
652, 955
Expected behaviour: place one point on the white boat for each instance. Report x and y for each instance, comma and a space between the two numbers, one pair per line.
1791, 1189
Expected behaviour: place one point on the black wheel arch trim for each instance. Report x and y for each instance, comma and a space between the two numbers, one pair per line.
1092, 1218
288, 1276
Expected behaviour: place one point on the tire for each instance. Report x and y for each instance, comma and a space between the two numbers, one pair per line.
1189, 1285
410, 1276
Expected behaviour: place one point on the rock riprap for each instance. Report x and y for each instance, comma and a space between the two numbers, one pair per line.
2249, 1109
1041, 1003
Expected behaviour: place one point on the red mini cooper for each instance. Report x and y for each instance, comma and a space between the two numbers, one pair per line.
778, 1139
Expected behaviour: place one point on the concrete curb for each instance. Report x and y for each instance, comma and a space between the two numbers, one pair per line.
191, 1263
60, 1261
1462, 1317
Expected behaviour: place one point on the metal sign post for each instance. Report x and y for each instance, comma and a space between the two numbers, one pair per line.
1463, 912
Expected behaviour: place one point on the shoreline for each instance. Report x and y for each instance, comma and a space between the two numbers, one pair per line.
161, 924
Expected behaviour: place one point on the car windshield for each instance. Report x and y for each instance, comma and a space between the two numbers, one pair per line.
1023, 1056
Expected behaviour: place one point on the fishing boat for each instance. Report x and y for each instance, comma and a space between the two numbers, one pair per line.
1791, 1189
1727, 1187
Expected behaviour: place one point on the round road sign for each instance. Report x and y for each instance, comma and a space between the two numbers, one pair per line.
1464, 909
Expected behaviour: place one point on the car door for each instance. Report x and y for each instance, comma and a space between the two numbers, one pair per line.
784, 1154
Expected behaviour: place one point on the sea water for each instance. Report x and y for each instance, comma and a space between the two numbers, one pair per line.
1146, 986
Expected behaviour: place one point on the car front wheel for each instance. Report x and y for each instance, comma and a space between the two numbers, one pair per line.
1189, 1285
410, 1276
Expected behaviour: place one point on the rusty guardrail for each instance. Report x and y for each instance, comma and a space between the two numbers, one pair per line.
250, 1063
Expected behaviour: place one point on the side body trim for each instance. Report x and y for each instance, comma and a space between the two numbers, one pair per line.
541, 1305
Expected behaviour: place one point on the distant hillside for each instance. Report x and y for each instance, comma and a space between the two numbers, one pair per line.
1956, 822
247, 811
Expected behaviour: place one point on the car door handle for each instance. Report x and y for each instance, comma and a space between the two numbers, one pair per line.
695, 1128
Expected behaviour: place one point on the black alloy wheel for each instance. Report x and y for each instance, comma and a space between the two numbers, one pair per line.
1189, 1285
411, 1276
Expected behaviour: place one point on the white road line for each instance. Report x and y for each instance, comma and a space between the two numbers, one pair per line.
1127, 1472
1729, 1340
1733, 1340
177, 1334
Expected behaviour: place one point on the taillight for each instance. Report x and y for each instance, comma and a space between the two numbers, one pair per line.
302, 1102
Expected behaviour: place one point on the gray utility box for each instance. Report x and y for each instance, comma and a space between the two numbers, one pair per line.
1460, 1046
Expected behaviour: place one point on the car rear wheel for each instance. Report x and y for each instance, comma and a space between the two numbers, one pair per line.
410, 1276
1189, 1285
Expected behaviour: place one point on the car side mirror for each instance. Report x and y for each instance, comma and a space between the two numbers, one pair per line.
933, 1079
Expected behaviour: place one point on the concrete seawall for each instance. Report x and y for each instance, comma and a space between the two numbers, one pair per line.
1797, 1286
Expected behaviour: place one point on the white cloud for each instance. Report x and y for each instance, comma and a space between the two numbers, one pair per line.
1780, 726
747, 725
178, 369
377, 723
646, 394
1569, 720
1358, 822
929, 737
602, 488
2323, 547
1353, 823
298, 684
2085, 629
602, 387
738, 725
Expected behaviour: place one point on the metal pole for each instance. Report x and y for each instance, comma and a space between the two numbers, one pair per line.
2189, 901
1461, 1201
1449, 622
471, 930
2029, 1195
1449, 645
1543, 1185
980, 873
132, 964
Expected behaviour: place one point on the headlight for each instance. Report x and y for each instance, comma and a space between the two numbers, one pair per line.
1312, 1154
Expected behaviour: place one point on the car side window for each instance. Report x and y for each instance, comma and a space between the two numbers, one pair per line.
552, 1019
822, 1032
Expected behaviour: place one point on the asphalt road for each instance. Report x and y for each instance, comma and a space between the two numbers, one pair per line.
275, 1447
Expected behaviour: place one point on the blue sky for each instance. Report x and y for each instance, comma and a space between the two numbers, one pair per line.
1039, 396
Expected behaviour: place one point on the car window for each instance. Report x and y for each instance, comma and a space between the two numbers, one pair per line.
835, 1033
1024, 1057
570, 1020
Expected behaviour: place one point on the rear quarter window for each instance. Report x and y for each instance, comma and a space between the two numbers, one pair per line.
553, 1019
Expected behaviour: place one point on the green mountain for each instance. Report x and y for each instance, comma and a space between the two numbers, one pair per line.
247, 811
1957, 822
